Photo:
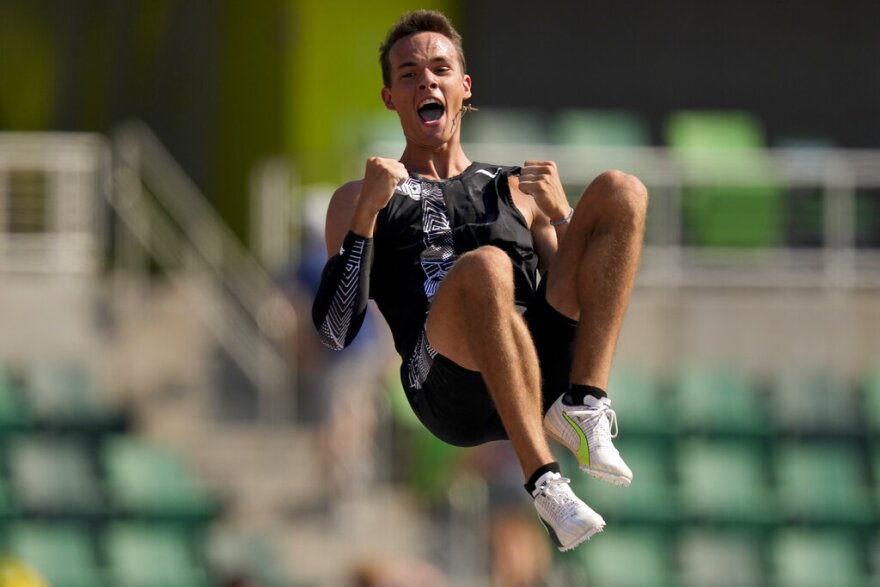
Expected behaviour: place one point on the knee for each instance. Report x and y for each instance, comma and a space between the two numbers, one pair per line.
621, 196
486, 269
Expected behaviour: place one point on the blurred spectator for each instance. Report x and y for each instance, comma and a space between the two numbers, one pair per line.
520, 551
397, 573
241, 581
338, 390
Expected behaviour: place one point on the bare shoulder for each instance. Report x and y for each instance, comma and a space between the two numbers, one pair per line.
347, 193
339, 214
343, 202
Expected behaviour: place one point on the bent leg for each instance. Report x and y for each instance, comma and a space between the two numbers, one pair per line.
473, 321
594, 270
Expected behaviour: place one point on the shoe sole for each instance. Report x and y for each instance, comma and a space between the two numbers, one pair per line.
589, 534
617, 480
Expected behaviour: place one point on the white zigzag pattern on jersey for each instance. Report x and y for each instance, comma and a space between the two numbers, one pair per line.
420, 362
438, 256
338, 319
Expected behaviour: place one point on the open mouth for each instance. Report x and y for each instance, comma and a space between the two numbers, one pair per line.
430, 110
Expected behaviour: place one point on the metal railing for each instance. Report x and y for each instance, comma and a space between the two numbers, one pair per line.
54, 191
668, 261
239, 301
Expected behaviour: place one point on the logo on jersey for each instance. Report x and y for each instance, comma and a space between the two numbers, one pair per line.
410, 187
489, 173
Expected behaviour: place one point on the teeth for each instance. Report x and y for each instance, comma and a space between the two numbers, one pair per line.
427, 101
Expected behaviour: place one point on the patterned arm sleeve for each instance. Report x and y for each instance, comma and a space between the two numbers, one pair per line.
341, 302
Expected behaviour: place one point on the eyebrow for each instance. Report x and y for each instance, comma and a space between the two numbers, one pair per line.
441, 59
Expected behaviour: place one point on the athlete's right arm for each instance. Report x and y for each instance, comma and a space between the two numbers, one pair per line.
341, 301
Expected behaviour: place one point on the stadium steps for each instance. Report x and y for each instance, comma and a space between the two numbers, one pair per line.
278, 491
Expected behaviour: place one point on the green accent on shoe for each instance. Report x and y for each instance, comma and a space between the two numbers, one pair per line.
553, 536
583, 451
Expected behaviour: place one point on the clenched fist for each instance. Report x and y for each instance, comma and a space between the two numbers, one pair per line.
380, 178
540, 179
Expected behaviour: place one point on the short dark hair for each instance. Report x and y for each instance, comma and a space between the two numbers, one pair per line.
418, 21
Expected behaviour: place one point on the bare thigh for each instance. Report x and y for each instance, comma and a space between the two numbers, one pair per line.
475, 278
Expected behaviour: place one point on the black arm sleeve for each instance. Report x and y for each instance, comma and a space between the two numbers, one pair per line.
341, 301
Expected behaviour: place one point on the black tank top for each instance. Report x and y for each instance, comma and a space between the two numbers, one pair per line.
427, 225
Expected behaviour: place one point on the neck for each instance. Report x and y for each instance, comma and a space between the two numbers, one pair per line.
436, 161
446, 161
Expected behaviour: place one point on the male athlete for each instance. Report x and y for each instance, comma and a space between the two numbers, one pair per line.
451, 252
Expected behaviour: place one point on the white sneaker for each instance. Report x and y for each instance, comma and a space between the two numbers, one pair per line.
586, 430
569, 521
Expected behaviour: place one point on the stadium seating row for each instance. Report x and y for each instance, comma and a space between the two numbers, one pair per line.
752, 485
88, 503
705, 398
137, 554
56, 395
733, 196
794, 557
52, 476
732, 483
722, 400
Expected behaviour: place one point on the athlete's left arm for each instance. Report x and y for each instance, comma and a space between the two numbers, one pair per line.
543, 235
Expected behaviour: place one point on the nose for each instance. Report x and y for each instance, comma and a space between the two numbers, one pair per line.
428, 80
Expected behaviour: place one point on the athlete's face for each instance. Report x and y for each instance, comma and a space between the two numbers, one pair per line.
428, 88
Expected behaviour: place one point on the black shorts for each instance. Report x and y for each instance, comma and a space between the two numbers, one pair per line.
454, 403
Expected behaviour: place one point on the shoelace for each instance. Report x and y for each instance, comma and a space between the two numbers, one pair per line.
608, 422
553, 489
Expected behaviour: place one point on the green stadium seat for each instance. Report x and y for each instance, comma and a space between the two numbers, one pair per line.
230, 553
804, 558
692, 130
640, 402
724, 481
599, 128
62, 553
628, 557
720, 559
503, 126
822, 482
871, 392
13, 414
719, 399
814, 401
715, 150
149, 480
8, 507
151, 556
806, 204
54, 477
63, 394
867, 218
875, 469
650, 498
874, 558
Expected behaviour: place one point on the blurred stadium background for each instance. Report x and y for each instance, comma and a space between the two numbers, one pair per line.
167, 419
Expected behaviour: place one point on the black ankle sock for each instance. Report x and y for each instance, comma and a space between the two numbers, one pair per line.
576, 394
548, 468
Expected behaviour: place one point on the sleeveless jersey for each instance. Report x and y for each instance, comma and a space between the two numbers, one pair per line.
427, 225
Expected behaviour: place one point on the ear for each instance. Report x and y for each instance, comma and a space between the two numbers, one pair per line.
466, 82
386, 98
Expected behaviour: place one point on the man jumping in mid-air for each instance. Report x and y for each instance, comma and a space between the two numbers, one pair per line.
451, 251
